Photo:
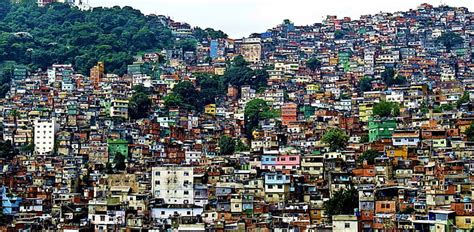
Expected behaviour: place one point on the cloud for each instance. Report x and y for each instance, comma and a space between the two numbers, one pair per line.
242, 17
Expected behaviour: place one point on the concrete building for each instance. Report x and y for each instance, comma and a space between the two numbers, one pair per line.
173, 184
44, 132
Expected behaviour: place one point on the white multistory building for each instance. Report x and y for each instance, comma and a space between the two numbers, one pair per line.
44, 132
173, 184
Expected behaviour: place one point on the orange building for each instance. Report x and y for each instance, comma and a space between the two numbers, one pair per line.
97, 73
289, 113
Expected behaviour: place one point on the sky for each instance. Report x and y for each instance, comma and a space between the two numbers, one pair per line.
239, 18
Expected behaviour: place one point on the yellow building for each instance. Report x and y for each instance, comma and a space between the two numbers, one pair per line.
210, 109
439, 142
219, 71
365, 111
465, 222
397, 152
312, 88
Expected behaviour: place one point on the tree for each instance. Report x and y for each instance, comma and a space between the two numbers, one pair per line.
187, 44
172, 100
449, 40
240, 146
464, 99
238, 74
81, 38
226, 145
239, 61
368, 156
365, 84
7, 151
256, 110
313, 64
342, 202
186, 91
139, 106
338, 34
469, 133
386, 109
389, 78
209, 89
336, 139
119, 162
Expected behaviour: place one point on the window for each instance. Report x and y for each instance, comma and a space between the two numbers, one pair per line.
186, 173
280, 186
347, 225
157, 182
102, 218
468, 207
157, 173
236, 205
186, 192
468, 220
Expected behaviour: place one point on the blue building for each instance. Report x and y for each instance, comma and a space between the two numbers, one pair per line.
10, 203
214, 49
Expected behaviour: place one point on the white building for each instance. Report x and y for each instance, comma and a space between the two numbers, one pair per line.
173, 184
344, 223
44, 132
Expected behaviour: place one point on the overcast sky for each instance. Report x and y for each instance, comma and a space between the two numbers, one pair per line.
240, 18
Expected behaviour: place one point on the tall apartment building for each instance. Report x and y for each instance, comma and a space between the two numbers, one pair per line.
173, 184
251, 50
97, 73
44, 132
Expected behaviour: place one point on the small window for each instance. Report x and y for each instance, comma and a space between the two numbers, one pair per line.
347, 225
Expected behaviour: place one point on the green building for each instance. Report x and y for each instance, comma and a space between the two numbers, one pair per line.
117, 146
381, 128
146, 68
307, 111
20, 72
344, 60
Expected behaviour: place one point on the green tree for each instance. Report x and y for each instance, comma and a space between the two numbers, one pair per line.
365, 84
210, 89
187, 44
336, 139
386, 109
238, 74
313, 64
187, 92
389, 78
7, 151
241, 146
139, 106
257, 110
172, 100
342, 202
464, 99
339, 34
119, 161
81, 38
226, 145
449, 40
369, 156
469, 133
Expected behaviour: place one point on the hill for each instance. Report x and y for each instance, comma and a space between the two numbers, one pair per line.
59, 33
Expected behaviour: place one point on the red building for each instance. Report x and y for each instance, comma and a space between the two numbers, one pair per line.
289, 113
